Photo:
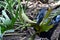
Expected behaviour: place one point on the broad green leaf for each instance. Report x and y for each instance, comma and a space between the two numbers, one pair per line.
25, 18
6, 20
48, 13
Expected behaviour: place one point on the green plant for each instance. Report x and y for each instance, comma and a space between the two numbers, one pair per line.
8, 23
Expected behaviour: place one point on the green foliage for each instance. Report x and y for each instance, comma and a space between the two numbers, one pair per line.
8, 23
44, 24
19, 12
